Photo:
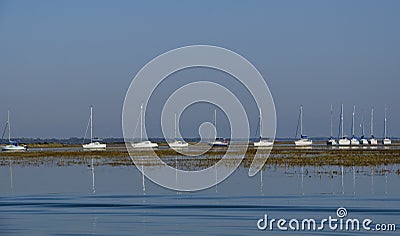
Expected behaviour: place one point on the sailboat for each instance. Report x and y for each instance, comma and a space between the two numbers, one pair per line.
93, 145
146, 143
303, 141
331, 141
264, 142
343, 141
353, 141
386, 140
178, 143
363, 140
372, 140
13, 145
218, 142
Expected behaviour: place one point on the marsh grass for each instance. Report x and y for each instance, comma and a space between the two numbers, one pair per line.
284, 157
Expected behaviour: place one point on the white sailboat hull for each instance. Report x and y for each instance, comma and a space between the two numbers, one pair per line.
219, 144
178, 144
354, 142
331, 142
344, 142
13, 148
386, 141
364, 141
94, 146
373, 141
263, 143
144, 145
303, 142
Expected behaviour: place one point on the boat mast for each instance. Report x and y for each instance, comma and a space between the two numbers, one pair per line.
9, 126
260, 123
362, 125
92, 170
341, 121
91, 124
215, 122
352, 122
331, 118
175, 125
301, 121
372, 122
141, 122
385, 134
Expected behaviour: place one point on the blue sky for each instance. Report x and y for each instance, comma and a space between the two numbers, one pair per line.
58, 57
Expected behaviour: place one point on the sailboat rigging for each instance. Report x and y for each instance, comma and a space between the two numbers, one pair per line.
331, 141
343, 141
372, 140
143, 144
363, 140
386, 140
93, 145
177, 143
13, 145
303, 141
218, 142
264, 142
353, 141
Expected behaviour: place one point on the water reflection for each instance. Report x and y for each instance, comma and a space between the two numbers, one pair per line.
372, 180
302, 180
303, 147
143, 185
342, 170
92, 171
216, 178
261, 181
354, 180
11, 177
386, 181
306, 179
123, 202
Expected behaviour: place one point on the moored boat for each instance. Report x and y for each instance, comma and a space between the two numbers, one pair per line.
263, 142
93, 145
386, 140
13, 145
303, 141
331, 141
143, 144
218, 142
343, 141
177, 143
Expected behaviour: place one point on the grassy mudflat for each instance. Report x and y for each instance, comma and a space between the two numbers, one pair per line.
280, 156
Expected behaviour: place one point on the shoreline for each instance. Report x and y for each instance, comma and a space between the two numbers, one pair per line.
279, 156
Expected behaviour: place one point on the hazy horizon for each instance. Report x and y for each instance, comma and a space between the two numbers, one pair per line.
58, 58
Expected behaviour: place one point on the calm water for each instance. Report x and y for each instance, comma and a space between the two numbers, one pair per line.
116, 201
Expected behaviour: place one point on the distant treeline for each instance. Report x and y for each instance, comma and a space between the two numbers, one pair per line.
76, 140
